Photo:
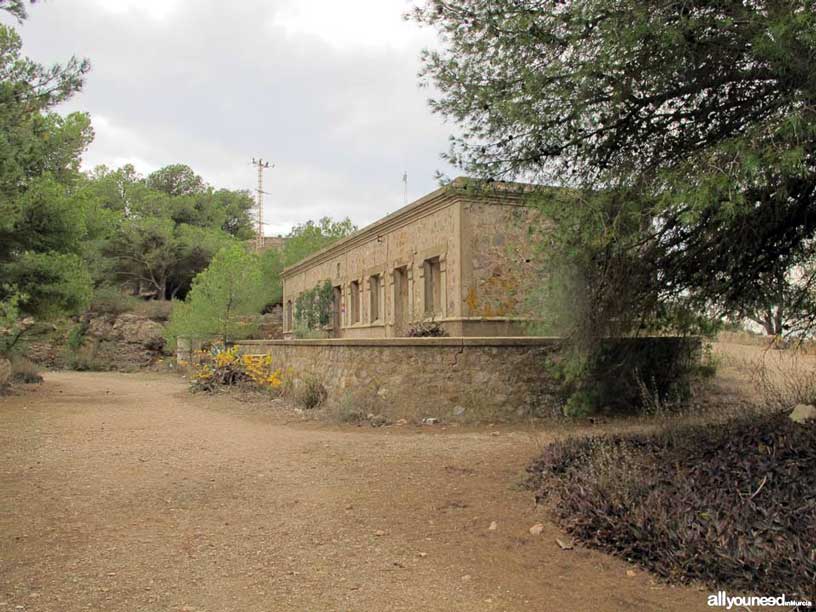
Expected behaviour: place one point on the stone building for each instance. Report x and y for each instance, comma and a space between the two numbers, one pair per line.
461, 256
270, 242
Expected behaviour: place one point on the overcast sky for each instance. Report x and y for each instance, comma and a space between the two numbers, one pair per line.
324, 89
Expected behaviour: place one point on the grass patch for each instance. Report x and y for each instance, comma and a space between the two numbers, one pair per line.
24, 371
155, 310
111, 300
782, 379
732, 505
358, 405
310, 393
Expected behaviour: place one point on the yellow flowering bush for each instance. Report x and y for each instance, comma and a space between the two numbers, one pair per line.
226, 367
260, 370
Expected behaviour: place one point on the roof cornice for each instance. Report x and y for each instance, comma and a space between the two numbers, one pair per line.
458, 190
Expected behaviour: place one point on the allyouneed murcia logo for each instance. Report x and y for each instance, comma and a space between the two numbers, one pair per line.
722, 600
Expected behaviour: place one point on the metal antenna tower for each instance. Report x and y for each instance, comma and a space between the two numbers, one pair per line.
262, 165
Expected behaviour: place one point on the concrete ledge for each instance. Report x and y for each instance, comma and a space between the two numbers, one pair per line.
456, 342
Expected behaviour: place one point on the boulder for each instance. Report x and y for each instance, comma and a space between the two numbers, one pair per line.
99, 326
136, 329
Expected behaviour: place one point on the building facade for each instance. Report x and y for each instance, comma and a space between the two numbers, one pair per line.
462, 256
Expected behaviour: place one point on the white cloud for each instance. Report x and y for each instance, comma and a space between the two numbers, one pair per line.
325, 90
367, 23
155, 9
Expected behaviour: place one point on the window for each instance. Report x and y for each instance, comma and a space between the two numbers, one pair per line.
374, 287
355, 302
400, 300
433, 286
337, 300
289, 315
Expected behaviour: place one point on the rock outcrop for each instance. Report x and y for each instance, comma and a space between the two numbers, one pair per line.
124, 342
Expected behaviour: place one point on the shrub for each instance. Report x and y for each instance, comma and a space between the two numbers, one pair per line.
426, 329
732, 505
80, 354
111, 300
220, 367
350, 408
303, 332
620, 373
311, 392
155, 310
12, 324
358, 404
85, 359
24, 371
313, 307
76, 337
782, 379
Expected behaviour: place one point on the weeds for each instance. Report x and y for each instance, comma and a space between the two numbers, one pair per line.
24, 371
359, 405
80, 355
111, 300
311, 393
351, 407
84, 359
782, 379
155, 310
303, 332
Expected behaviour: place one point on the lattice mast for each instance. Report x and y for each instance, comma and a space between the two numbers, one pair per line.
261, 165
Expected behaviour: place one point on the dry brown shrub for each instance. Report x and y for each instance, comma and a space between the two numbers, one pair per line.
781, 379
730, 505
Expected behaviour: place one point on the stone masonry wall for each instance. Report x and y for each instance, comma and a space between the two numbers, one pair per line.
426, 377
502, 268
435, 234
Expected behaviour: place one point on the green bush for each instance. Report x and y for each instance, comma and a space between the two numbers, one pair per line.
12, 323
81, 355
732, 505
619, 373
76, 336
313, 308
303, 332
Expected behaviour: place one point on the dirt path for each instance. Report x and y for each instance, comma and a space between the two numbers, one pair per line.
123, 492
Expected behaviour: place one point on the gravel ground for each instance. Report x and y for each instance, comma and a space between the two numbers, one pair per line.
125, 492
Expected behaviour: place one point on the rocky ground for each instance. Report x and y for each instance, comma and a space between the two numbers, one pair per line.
125, 492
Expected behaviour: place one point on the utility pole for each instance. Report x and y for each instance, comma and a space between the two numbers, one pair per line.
405, 188
262, 165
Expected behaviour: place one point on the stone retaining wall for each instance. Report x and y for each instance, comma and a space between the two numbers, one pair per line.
482, 378
422, 377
